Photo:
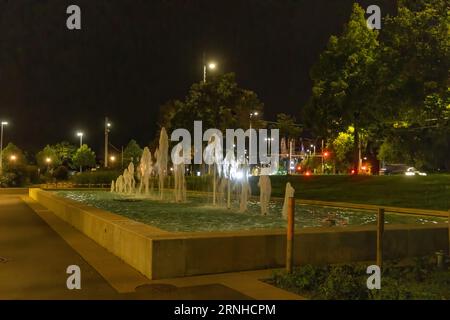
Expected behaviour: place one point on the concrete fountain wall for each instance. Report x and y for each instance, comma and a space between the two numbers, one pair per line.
160, 254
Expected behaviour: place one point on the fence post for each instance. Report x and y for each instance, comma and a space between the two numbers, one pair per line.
380, 231
290, 235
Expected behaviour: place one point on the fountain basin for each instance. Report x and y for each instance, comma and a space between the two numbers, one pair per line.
198, 214
159, 254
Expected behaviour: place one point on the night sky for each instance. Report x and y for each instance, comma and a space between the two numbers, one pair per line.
132, 56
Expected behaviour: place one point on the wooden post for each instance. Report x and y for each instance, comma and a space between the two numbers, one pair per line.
380, 231
449, 232
290, 235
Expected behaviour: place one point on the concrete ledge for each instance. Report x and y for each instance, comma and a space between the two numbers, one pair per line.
159, 254
14, 191
129, 240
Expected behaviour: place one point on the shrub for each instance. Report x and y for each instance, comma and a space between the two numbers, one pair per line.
344, 283
95, 177
61, 173
14, 177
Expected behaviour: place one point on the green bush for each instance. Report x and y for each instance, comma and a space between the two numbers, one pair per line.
14, 177
95, 177
32, 174
416, 278
344, 282
202, 183
391, 289
61, 173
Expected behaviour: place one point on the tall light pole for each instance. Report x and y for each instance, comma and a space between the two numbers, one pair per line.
314, 147
48, 160
210, 66
80, 134
252, 114
107, 126
3, 123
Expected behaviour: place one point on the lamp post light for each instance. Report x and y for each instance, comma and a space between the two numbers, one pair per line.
269, 145
48, 161
252, 114
80, 134
13, 158
112, 159
3, 123
314, 148
107, 129
210, 66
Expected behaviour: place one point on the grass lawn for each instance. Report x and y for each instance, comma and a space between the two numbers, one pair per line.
430, 192
416, 279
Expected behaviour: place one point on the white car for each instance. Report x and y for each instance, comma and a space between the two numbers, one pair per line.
411, 171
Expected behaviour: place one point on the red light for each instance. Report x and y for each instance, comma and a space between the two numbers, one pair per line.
299, 168
326, 154
308, 173
353, 171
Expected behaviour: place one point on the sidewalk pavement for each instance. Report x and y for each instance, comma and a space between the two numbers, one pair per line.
36, 247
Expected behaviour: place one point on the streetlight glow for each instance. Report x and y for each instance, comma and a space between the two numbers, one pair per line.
210, 66
13, 157
2, 124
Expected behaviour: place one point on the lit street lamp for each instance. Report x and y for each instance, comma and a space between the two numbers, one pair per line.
80, 134
48, 161
210, 66
3, 123
252, 114
107, 128
314, 147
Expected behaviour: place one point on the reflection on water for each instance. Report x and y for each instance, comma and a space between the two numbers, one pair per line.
198, 214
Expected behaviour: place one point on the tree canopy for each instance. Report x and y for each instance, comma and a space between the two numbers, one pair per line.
84, 157
218, 103
392, 84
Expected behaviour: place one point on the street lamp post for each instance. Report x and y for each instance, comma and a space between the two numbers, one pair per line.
48, 161
80, 134
253, 114
13, 159
3, 123
210, 66
107, 126
314, 148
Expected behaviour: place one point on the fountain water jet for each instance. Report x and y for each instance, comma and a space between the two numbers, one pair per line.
245, 186
120, 184
265, 190
145, 170
213, 157
179, 171
289, 193
162, 159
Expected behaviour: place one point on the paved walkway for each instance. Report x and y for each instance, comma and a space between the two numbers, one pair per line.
36, 247
34, 258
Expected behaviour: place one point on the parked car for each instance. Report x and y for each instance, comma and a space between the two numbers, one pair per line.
391, 169
411, 171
